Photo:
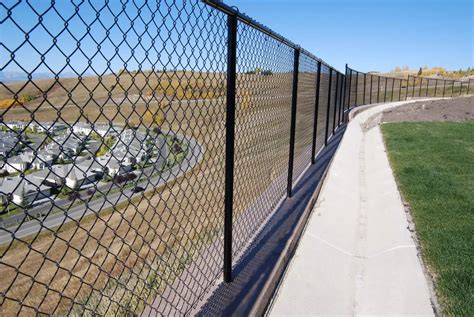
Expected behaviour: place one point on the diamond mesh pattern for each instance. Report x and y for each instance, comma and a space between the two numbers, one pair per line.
396, 89
450, 88
333, 101
112, 128
373, 88
323, 107
358, 84
114, 195
403, 89
367, 89
386, 89
308, 68
457, 88
352, 88
263, 108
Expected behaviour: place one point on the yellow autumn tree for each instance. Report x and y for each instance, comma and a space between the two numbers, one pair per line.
157, 118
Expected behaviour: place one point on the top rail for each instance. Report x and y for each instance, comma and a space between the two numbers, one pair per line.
229, 10
160, 143
441, 79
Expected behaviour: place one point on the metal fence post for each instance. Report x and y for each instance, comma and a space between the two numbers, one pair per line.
394, 81
363, 95
400, 90
349, 89
385, 91
436, 87
468, 86
294, 94
421, 86
341, 103
335, 102
357, 87
414, 81
346, 97
329, 107
229, 143
393, 87
444, 87
370, 96
378, 88
452, 89
316, 111
427, 87
406, 88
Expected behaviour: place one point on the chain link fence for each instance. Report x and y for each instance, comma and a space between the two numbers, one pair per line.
144, 145
112, 166
114, 118
365, 88
434, 87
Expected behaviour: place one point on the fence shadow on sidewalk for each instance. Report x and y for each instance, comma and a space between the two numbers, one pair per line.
255, 279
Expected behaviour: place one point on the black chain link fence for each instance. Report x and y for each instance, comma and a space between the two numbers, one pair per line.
112, 156
435, 87
116, 173
263, 99
366, 88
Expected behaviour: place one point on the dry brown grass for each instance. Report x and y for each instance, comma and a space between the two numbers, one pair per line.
122, 90
126, 256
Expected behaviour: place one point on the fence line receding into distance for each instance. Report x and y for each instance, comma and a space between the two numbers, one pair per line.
144, 144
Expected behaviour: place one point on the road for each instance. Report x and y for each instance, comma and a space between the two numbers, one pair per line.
194, 156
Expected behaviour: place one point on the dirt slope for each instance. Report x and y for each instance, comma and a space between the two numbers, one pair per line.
457, 109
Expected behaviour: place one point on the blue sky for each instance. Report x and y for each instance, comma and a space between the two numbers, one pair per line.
103, 37
367, 34
374, 34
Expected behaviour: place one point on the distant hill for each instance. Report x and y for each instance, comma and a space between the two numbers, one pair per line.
7, 77
125, 88
11, 76
434, 72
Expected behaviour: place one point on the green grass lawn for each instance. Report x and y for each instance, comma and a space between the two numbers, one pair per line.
434, 167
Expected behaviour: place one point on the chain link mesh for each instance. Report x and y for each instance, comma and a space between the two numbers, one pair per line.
112, 128
308, 68
112, 150
387, 89
332, 109
323, 107
263, 106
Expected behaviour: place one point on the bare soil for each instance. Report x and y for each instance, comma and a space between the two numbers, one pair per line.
456, 109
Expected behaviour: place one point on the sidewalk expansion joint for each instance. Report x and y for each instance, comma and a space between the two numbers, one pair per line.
404, 246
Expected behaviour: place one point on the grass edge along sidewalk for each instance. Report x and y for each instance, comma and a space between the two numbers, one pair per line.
433, 163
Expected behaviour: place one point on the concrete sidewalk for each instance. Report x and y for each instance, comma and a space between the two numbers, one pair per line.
356, 256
